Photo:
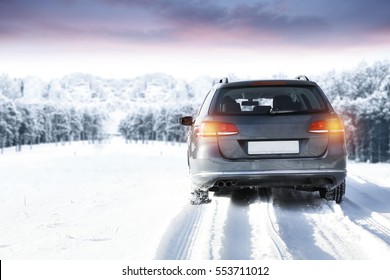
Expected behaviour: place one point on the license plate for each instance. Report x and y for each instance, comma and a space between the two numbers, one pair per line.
273, 147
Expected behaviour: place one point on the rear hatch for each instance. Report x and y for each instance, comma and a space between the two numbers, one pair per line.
272, 136
271, 120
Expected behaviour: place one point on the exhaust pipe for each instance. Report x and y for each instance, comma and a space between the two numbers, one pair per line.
221, 184
225, 183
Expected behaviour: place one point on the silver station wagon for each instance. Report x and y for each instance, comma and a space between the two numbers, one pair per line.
266, 134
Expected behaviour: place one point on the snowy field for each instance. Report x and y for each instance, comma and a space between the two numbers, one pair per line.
130, 201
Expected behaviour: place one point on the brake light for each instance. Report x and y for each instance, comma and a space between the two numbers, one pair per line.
209, 129
269, 83
332, 125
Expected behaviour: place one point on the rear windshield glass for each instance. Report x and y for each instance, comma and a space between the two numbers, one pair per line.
269, 100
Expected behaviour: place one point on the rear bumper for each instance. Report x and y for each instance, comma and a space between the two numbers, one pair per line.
207, 167
298, 179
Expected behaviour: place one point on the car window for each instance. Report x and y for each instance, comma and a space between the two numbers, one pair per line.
205, 105
268, 100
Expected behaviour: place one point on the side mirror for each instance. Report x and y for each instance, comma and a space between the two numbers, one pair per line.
186, 121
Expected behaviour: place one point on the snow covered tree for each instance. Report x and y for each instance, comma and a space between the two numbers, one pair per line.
60, 125
76, 125
27, 130
362, 96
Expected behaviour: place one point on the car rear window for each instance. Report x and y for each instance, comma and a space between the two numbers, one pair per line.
269, 100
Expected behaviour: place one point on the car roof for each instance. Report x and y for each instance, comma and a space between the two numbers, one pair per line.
254, 83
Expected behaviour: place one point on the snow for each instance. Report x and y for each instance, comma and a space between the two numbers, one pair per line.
378, 173
114, 200
83, 201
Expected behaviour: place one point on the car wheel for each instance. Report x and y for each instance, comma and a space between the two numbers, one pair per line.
323, 193
337, 194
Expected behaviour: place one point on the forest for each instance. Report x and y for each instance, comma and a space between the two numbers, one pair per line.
362, 97
29, 124
152, 104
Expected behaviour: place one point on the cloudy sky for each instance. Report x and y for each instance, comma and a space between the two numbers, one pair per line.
254, 38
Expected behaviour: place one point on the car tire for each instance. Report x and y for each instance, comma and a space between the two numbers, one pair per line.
323, 193
336, 194
339, 192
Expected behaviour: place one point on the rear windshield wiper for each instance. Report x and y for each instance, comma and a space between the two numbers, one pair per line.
288, 112
297, 111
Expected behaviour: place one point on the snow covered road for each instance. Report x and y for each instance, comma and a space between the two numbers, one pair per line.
129, 201
277, 224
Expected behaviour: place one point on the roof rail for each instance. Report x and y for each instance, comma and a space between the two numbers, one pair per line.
223, 80
302, 77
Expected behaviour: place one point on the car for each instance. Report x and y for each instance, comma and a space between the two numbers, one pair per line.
266, 134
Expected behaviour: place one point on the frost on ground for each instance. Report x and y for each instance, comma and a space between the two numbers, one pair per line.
130, 201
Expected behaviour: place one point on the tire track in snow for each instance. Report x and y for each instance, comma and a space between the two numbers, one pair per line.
343, 238
216, 234
210, 237
373, 222
195, 233
366, 205
266, 240
282, 224
177, 242
333, 232
273, 229
315, 229
296, 230
237, 231
251, 231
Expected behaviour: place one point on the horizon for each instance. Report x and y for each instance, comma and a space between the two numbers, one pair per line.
237, 76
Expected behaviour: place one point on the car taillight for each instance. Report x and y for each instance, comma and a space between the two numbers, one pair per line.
207, 129
332, 125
